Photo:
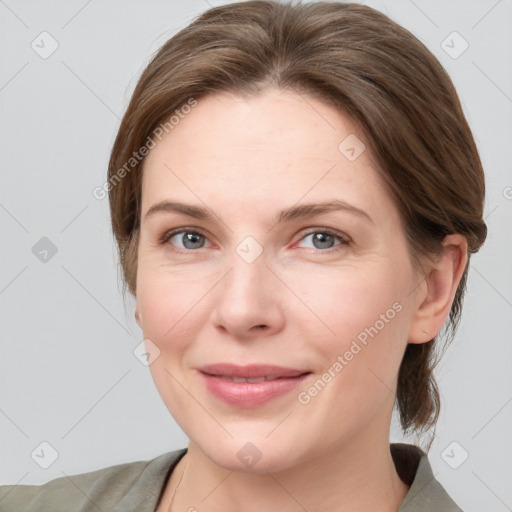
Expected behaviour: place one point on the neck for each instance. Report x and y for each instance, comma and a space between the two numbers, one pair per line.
361, 476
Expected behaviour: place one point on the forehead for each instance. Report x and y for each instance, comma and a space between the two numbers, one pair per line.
276, 147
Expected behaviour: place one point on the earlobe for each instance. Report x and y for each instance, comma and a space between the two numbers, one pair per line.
137, 316
441, 285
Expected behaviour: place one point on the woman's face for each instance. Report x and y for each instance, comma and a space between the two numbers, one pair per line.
270, 275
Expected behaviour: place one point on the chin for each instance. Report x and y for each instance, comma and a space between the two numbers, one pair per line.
250, 454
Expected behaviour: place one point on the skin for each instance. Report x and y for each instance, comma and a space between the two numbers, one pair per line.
299, 304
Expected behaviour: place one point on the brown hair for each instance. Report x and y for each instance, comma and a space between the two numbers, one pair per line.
360, 61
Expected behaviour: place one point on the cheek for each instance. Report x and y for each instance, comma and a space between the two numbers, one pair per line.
170, 309
362, 341
352, 303
169, 304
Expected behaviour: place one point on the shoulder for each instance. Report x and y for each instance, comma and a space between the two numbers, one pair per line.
130, 486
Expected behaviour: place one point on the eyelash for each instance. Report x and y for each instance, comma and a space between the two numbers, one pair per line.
343, 239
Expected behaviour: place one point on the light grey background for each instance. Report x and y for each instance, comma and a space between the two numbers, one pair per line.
68, 373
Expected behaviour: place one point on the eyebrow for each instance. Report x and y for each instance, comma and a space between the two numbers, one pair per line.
292, 213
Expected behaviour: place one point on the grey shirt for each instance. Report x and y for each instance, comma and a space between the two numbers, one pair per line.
137, 487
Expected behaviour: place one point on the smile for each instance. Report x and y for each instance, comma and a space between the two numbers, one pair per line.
250, 386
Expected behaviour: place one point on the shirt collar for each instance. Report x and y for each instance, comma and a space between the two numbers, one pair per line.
425, 492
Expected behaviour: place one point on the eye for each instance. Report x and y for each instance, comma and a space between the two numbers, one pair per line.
184, 240
324, 240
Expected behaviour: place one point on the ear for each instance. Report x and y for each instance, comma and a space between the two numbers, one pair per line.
438, 291
137, 316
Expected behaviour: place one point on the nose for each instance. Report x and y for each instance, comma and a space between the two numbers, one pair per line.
249, 300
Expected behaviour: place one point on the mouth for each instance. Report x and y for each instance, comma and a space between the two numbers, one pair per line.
251, 372
246, 379
250, 386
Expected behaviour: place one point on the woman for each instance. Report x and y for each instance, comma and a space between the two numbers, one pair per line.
295, 194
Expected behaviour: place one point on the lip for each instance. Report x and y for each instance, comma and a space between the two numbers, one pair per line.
277, 381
